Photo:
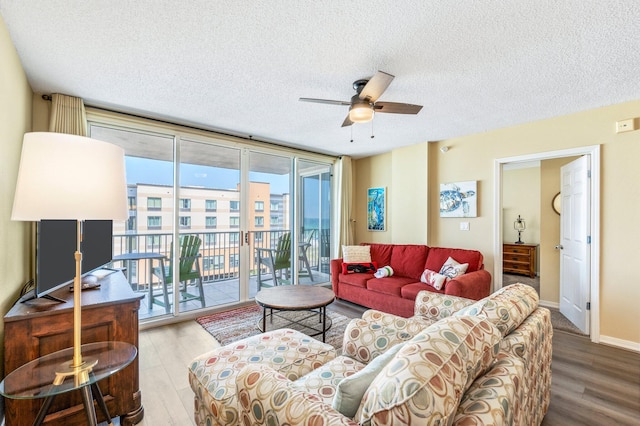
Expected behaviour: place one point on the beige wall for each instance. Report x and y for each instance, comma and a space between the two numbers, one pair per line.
404, 173
521, 196
472, 158
15, 120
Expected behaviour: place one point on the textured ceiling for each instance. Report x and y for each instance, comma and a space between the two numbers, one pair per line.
240, 66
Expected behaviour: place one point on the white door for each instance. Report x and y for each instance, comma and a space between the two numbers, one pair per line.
574, 242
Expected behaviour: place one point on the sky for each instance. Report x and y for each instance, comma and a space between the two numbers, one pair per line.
157, 172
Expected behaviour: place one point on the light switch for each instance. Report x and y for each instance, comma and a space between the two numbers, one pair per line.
464, 226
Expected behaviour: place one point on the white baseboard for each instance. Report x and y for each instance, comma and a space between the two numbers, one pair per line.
547, 304
619, 343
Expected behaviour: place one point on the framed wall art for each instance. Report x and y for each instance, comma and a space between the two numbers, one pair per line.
459, 199
376, 209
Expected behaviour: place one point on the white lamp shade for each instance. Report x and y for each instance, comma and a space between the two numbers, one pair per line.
67, 177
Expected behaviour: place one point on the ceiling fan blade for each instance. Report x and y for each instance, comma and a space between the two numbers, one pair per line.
397, 108
376, 86
347, 122
325, 101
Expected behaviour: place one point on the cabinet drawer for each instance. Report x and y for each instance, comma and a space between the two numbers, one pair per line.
518, 250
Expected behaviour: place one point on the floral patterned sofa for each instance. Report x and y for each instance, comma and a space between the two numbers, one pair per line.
456, 361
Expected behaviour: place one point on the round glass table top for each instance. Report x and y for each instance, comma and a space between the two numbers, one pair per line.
35, 378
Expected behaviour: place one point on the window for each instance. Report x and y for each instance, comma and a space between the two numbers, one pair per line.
211, 222
185, 204
234, 260
132, 203
154, 203
234, 221
258, 237
211, 205
210, 263
275, 220
153, 242
275, 206
185, 221
234, 206
210, 239
234, 237
259, 221
259, 206
154, 222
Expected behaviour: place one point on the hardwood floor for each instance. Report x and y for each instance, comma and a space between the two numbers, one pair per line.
591, 384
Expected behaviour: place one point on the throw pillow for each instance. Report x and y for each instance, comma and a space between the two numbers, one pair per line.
356, 254
433, 278
351, 389
350, 268
385, 271
452, 268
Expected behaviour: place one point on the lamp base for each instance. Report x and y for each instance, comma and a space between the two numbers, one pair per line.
80, 373
519, 240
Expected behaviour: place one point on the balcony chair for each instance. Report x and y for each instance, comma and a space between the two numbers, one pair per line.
277, 260
304, 246
189, 273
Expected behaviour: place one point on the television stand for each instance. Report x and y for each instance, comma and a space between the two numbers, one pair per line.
32, 296
109, 314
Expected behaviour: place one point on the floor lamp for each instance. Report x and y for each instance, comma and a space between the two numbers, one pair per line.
67, 177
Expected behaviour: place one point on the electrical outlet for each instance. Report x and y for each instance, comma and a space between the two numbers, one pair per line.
625, 125
464, 226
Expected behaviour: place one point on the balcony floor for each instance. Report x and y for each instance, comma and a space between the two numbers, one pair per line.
217, 293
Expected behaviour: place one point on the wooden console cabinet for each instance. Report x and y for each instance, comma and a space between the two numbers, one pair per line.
519, 259
40, 327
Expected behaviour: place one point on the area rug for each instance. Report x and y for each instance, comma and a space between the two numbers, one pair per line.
236, 324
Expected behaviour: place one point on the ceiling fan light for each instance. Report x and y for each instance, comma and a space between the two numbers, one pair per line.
361, 113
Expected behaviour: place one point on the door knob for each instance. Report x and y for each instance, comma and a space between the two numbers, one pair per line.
559, 247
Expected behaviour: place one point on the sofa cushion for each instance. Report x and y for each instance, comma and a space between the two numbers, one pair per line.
358, 280
266, 397
408, 260
323, 381
351, 389
389, 285
428, 377
410, 291
439, 255
380, 253
356, 254
505, 308
452, 268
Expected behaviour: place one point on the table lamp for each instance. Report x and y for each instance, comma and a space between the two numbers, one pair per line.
519, 225
63, 177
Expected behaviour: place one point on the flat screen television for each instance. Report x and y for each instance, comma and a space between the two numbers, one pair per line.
55, 247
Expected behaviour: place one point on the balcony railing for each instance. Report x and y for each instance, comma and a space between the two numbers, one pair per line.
217, 251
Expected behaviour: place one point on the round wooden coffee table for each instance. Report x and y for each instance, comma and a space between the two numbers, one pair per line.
297, 298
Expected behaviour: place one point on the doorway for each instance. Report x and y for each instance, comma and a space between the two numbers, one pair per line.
593, 153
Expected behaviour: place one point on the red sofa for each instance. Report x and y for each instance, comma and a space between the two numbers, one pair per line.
396, 294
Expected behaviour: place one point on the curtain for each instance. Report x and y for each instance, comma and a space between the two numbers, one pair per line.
345, 199
67, 115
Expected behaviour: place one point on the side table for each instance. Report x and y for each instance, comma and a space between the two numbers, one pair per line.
35, 379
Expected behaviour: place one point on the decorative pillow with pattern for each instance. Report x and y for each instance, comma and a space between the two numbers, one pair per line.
360, 268
434, 279
356, 254
452, 268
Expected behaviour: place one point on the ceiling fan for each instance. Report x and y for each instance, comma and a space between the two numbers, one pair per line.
364, 103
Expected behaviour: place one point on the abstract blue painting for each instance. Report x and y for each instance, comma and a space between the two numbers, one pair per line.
376, 209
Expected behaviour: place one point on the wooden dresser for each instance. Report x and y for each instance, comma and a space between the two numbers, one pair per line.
519, 259
40, 327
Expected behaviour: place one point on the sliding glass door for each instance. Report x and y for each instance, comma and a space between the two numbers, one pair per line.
314, 194
236, 217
